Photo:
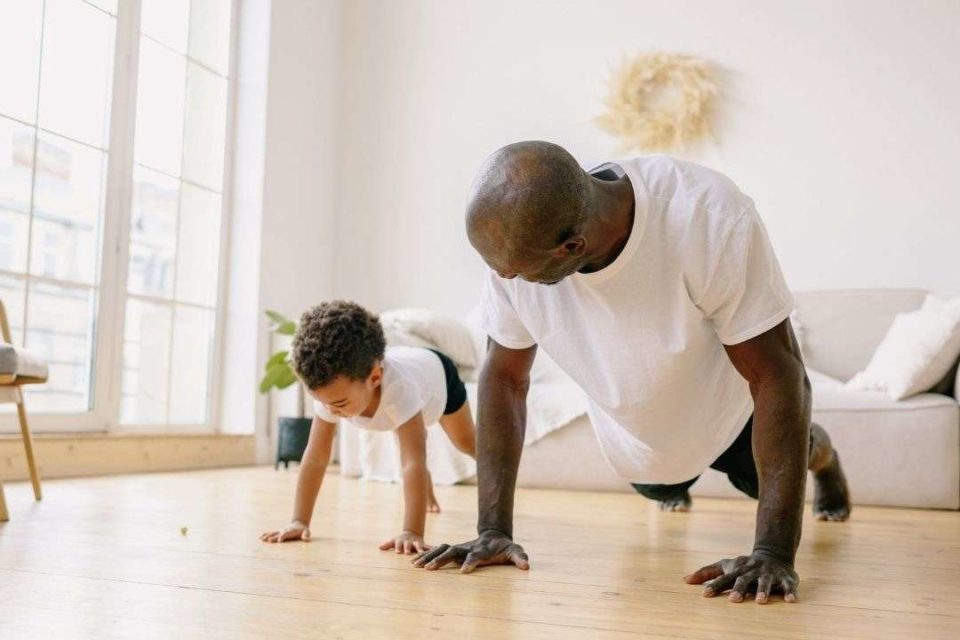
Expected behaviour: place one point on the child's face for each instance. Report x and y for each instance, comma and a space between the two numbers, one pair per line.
345, 397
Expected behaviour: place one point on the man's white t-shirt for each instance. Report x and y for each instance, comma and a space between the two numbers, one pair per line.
413, 381
644, 336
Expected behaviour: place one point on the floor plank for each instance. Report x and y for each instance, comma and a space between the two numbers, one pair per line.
104, 558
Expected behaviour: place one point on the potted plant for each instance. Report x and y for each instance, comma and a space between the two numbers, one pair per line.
293, 432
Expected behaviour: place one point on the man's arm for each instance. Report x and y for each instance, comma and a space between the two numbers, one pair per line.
772, 364
501, 423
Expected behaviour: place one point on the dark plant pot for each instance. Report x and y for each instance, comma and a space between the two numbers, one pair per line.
292, 440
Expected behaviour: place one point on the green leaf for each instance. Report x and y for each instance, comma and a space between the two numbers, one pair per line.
286, 379
279, 323
288, 328
276, 318
277, 358
274, 375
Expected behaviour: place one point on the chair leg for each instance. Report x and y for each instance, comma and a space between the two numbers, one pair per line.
28, 447
4, 516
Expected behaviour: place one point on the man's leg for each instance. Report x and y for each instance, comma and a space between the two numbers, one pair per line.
831, 497
672, 497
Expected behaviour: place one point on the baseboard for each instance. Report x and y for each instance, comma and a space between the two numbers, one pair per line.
74, 455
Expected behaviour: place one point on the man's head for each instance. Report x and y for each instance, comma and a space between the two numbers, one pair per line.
527, 212
337, 352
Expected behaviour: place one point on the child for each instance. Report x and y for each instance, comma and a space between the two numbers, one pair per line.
340, 355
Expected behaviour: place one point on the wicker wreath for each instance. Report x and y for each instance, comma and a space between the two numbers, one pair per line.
660, 101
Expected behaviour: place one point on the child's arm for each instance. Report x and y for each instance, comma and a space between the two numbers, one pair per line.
313, 466
416, 485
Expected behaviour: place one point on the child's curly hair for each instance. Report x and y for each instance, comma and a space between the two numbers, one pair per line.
334, 339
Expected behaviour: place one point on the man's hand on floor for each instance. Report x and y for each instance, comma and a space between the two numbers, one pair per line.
759, 572
492, 547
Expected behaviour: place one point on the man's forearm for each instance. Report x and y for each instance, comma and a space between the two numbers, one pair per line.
781, 441
501, 423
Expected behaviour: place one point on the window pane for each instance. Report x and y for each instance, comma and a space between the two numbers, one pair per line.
192, 345
198, 246
20, 53
11, 293
14, 227
59, 328
66, 210
210, 33
153, 228
204, 130
77, 71
16, 160
166, 22
146, 360
106, 5
160, 99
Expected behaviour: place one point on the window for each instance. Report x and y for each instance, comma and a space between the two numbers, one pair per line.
111, 204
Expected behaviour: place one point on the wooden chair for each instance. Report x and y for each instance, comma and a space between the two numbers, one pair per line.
17, 368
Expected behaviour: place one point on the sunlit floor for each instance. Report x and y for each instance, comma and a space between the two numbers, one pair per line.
105, 558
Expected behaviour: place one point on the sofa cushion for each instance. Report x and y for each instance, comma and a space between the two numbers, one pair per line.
841, 329
919, 349
21, 363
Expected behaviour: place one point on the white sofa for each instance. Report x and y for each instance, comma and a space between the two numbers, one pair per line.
904, 453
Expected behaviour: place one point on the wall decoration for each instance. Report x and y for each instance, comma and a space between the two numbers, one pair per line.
660, 101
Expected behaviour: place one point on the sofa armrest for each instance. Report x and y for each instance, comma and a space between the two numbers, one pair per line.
956, 386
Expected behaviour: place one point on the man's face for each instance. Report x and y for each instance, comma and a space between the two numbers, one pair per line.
540, 267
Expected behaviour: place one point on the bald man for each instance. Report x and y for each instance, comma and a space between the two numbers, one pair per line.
651, 283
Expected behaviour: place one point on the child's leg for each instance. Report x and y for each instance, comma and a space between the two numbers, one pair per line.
432, 505
459, 428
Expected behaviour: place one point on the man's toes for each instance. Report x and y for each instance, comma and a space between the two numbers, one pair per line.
831, 515
676, 504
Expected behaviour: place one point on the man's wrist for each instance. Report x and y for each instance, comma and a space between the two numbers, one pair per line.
774, 553
494, 531
297, 522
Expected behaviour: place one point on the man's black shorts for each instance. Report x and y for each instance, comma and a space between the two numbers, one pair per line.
737, 462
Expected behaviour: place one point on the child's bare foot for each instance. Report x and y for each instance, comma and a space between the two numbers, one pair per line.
678, 503
831, 499
432, 505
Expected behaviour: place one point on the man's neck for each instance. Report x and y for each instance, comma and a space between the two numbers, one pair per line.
614, 204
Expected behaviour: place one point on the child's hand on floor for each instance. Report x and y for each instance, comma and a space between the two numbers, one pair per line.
407, 542
296, 530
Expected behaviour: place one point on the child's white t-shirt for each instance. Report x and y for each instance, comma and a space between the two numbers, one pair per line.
413, 380
644, 336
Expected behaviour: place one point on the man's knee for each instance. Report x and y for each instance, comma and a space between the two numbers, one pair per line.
661, 492
821, 449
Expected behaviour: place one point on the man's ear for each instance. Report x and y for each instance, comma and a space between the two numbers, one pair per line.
572, 246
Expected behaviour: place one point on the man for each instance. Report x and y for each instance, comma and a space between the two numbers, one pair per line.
653, 284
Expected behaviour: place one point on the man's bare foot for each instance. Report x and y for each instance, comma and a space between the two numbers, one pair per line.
678, 503
831, 499
432, 505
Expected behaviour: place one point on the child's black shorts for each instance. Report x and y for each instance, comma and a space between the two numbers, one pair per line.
456, 391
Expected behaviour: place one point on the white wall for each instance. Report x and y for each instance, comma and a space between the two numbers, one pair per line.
843, 124
282, 234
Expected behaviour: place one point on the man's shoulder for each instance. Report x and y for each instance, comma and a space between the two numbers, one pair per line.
686, 184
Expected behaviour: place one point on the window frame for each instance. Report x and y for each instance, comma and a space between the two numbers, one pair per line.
111, 284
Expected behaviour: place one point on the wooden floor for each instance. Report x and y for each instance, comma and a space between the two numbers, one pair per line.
105, 558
